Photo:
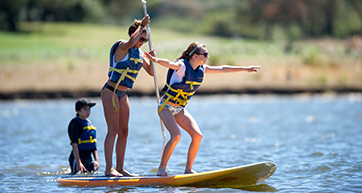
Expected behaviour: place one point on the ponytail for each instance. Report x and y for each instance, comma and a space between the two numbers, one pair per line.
193, 48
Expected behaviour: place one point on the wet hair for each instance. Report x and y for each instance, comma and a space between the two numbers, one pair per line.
192, 49
134, 27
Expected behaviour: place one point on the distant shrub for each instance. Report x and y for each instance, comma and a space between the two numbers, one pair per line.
311, 57
214, 60
359, 74
230, 62
323, 79
342, 79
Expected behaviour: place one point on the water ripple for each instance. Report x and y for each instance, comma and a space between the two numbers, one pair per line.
315, 142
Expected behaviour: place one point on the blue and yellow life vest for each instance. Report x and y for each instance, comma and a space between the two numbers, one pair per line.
87, 139
181, 93
124, 72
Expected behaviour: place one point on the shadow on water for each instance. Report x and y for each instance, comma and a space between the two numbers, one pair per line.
252, 188
259, 188
156, 188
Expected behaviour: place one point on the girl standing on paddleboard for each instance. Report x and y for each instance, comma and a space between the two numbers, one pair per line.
183, 79
126, 59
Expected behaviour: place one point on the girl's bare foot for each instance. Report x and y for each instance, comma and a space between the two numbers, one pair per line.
125, 173
162, 172
190, 172
113, 173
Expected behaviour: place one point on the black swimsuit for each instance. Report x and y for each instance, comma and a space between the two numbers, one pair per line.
120, 94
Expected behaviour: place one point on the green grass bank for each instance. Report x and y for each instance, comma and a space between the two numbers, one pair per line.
73, 57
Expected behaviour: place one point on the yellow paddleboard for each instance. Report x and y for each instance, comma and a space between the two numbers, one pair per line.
237, 176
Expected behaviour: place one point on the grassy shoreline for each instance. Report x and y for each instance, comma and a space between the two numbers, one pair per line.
73, 58
63, 94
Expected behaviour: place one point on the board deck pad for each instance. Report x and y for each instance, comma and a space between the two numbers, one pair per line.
237, 176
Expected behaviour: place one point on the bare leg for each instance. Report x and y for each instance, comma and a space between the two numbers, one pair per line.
112, 125
188, 123
122, 135
170, 123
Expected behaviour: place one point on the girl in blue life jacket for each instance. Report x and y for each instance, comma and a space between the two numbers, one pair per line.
82, 135
184, 77
126, 59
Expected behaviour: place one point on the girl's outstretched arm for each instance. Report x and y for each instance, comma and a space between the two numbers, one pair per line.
226, 68
164, 62
147, 65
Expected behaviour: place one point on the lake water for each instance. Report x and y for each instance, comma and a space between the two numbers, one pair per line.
315, 141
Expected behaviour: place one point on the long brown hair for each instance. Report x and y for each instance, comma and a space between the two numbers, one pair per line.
194, 48
134, 27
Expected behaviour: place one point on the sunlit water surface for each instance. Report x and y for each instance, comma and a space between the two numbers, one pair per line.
315, 141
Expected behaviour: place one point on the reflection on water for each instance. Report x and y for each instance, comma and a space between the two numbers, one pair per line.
259, 188
315, 142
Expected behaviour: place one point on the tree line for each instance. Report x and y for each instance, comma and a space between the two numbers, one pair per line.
312, 18
248, 18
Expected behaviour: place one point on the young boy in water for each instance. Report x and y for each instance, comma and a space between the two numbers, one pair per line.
82, 135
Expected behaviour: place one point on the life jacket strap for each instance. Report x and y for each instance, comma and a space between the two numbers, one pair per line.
163, 105
90, 140
192, 83
89, 128
124, 74
136, 60
180, 92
